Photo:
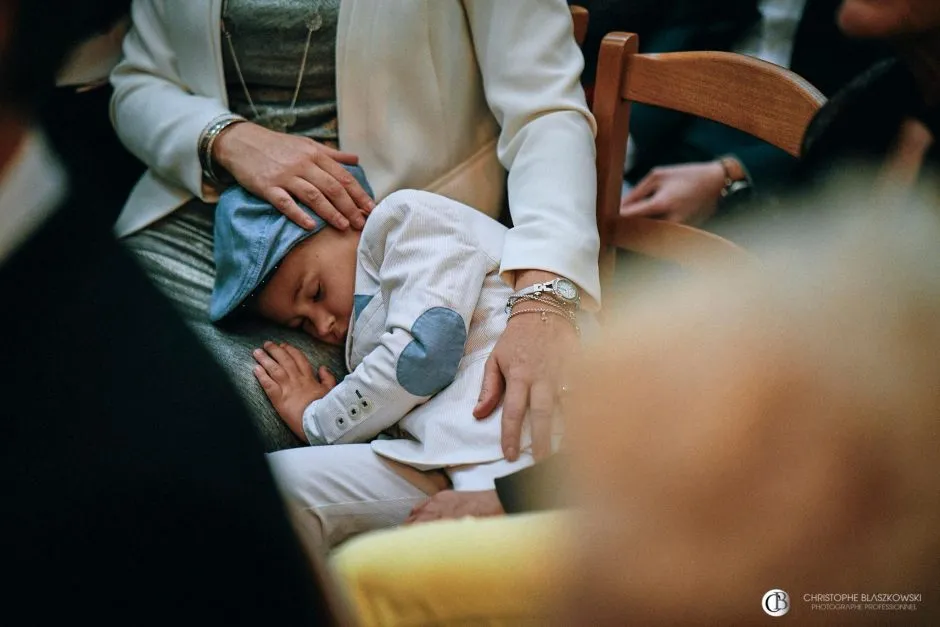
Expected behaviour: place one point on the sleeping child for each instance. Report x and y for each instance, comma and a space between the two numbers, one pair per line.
417, 301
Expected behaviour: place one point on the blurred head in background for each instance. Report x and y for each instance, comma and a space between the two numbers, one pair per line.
889, 18
35, 37
912, 26
767, 427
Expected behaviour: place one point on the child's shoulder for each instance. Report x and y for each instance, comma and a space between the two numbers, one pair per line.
431, 212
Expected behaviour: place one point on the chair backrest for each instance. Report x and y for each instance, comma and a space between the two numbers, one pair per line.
745, 93
580, 17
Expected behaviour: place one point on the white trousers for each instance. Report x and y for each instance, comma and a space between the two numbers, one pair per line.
348, 489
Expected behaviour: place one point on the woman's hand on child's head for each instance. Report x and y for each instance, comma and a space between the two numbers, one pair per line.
284, 169
288, 380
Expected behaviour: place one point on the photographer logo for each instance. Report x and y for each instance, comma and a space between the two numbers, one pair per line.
776, 603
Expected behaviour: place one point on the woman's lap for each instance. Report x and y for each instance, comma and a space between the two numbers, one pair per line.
176, 253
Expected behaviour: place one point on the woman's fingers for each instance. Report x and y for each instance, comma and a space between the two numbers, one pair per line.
285, 170
359, 197
331, 185
283, 202
310, 195
346, 158
514, 410
492, 390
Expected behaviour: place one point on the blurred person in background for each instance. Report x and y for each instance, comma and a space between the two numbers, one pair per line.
710, 170
135, 489
889, 116
782, 432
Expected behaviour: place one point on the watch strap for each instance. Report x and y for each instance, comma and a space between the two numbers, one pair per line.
736, 178
544, 290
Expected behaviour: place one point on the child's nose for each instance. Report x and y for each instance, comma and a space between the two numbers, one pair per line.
324, 324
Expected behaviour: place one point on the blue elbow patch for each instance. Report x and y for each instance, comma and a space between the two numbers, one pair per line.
429, 363
360, 302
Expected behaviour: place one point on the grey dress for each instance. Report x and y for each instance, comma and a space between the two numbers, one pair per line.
269, 38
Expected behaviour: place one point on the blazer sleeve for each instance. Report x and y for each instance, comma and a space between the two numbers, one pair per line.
431, 272
531, 69
158, 117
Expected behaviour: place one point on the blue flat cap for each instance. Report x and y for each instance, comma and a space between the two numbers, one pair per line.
251, 239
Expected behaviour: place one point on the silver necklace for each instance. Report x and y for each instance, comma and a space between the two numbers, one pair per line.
283, 121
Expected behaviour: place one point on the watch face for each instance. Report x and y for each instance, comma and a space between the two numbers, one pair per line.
566, 289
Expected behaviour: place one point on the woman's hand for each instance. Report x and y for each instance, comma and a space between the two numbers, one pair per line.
281, 168
680, 193
527, 364
287, 378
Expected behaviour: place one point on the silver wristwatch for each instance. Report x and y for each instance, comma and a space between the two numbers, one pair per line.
562, 289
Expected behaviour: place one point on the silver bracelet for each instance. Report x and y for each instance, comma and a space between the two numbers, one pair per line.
546, 298
543, 314
207, 140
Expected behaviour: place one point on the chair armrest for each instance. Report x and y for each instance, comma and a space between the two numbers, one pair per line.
689, 247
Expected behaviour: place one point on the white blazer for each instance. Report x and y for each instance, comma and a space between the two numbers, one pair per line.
442, 95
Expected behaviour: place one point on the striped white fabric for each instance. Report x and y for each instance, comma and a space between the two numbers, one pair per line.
430, 308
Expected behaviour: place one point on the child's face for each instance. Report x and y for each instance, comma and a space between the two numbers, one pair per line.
313, 287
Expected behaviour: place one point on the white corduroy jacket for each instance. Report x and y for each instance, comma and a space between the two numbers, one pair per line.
440, 95
429, 308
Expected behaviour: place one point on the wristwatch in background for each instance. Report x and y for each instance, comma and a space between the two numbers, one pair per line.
737, 186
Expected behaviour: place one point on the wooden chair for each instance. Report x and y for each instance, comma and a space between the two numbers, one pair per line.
580, 16
742, 92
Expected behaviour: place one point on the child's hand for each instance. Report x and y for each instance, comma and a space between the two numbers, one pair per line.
287, 378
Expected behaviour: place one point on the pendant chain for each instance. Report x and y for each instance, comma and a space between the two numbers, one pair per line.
312, 25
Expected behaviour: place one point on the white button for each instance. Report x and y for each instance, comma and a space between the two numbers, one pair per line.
355, 412
340, 422
364, 403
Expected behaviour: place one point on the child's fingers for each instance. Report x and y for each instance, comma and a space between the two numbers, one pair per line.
269, 385
282, 357
303, 364
326, 377
270, 366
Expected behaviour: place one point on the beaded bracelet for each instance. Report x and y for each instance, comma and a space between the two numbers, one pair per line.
207, 141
